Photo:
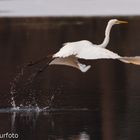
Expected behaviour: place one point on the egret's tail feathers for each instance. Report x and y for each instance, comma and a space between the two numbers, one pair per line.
71, 61
133, 60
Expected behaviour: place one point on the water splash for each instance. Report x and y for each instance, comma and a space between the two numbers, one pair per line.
13, 87
13, 103
20, 78
13, 92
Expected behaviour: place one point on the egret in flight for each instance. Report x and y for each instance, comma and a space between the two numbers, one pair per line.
84, 49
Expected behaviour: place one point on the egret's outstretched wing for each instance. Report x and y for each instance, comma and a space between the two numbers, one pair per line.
89, 53
86, 52
71, 61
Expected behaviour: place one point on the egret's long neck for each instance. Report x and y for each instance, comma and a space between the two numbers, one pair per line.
107, 35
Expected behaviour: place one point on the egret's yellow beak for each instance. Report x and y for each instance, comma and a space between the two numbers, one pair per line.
121, 22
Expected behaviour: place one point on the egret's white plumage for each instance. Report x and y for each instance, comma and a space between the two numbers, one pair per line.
72, 51
85, 50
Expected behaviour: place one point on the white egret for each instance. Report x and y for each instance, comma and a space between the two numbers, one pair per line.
84, 49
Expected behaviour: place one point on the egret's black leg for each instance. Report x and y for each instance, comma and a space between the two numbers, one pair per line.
37, 62
42, 69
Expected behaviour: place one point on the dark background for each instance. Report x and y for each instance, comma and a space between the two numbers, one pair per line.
109, 87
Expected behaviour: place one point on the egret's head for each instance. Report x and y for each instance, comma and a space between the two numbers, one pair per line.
116, 21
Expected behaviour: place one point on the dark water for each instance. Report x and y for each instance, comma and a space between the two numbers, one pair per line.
102, 104
57, 125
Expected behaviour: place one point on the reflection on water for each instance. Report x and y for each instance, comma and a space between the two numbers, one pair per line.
54, 125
